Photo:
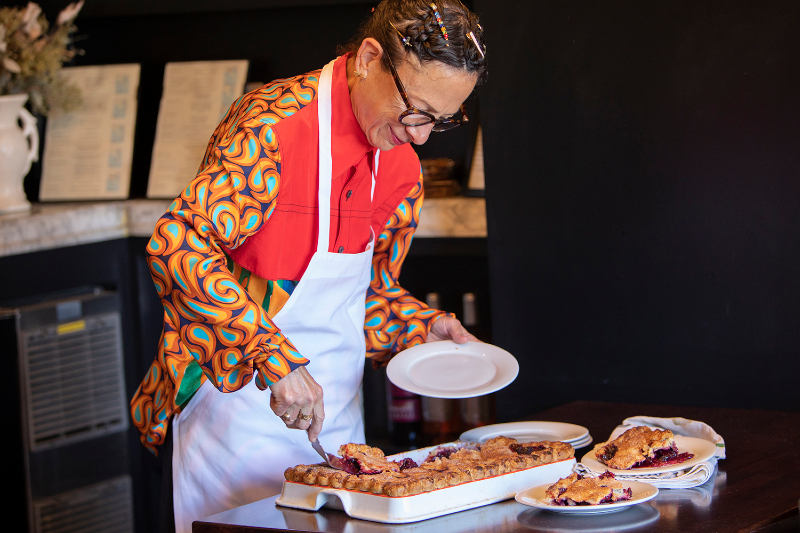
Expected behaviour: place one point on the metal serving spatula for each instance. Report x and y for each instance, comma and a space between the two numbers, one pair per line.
332, 460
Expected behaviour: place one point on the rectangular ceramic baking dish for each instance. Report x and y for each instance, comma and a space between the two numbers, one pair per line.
404, 509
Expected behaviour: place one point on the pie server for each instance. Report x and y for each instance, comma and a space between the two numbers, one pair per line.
332, 460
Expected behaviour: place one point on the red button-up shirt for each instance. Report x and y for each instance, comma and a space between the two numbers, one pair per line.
293, 221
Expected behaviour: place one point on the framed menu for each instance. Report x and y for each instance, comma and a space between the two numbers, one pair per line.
196, 96
87, 152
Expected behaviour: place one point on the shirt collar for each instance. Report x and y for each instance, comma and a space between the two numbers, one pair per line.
348, 142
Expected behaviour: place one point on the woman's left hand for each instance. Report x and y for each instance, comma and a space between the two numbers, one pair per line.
449, 328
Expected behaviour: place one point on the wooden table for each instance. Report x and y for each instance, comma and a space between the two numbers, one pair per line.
756, 488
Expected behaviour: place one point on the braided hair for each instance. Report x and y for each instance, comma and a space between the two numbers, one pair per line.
411, 26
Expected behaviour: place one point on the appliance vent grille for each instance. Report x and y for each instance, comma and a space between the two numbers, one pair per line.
106, 507
74, 381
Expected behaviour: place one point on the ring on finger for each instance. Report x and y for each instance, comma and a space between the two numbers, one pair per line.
286, 417
301, 416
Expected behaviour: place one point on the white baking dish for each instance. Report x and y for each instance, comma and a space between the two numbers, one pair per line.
403, 509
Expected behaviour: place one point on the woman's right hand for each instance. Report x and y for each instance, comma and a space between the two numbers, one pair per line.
297, 394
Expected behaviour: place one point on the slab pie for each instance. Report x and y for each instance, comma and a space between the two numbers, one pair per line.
368, 470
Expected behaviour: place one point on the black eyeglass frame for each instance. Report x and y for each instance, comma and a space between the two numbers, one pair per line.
439, 124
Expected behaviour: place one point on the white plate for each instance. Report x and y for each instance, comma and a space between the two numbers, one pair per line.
445, 369
641, 493
633, 518
582, 443
528, 432
702, 450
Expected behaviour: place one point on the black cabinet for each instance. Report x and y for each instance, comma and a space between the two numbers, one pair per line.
70, 328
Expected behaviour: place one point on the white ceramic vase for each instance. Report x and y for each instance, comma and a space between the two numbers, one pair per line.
19, 148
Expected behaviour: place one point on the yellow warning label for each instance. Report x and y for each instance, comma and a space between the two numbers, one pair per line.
71, 327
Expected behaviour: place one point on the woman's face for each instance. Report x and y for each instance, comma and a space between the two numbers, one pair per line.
433, 87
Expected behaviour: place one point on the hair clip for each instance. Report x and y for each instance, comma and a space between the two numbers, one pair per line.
478, 46
439, 22
406, 40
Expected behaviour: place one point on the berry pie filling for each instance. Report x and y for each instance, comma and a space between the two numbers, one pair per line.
407, 463
664, 457
440, 452
527, 449
352, 465
606, 453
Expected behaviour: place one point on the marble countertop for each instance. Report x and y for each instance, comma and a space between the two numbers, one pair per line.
56, 225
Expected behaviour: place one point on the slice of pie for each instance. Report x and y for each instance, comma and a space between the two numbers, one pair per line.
578, 490
363, 459
641, 447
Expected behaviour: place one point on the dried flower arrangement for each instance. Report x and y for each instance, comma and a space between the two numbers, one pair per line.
32, 54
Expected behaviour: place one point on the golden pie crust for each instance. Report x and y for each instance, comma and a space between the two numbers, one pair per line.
494, 457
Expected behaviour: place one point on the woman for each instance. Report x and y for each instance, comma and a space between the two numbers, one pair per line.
306, 201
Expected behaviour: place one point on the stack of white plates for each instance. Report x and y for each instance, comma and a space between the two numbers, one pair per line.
577, 436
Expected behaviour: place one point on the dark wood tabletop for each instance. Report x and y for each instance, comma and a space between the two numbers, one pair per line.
756, 488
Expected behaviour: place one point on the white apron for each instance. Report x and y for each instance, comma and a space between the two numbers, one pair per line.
231, 449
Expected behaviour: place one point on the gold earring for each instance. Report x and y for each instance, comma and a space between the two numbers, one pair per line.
359, 74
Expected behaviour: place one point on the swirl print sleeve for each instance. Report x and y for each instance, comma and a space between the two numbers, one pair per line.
209, 319
396, 320
216, 320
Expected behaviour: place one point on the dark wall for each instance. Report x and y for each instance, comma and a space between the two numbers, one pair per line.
115, 8
644, 200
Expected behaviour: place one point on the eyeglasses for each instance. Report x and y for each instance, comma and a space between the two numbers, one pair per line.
417, 117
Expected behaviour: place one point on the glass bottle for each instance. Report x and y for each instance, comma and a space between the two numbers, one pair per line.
405, 417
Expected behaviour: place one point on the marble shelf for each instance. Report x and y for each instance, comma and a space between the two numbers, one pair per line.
56, 225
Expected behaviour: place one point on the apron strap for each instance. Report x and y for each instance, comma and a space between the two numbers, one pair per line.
371, 197
324, 114
374, 173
